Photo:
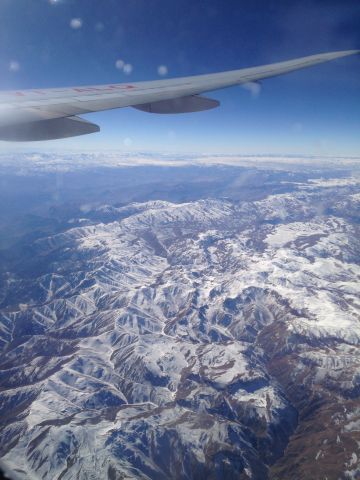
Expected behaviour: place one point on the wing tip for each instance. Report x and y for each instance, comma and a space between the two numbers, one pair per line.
345, 53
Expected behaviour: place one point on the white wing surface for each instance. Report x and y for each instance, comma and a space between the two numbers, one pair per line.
45, 114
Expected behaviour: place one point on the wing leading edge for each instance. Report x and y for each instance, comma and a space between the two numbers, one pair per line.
53, 113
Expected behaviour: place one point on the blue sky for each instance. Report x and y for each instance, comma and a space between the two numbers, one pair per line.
47, 43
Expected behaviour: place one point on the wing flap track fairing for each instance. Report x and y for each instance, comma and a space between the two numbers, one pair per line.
192, 103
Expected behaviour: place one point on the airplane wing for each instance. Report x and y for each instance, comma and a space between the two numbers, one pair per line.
27, 115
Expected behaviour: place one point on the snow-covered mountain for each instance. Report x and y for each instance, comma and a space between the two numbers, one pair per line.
213, 339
